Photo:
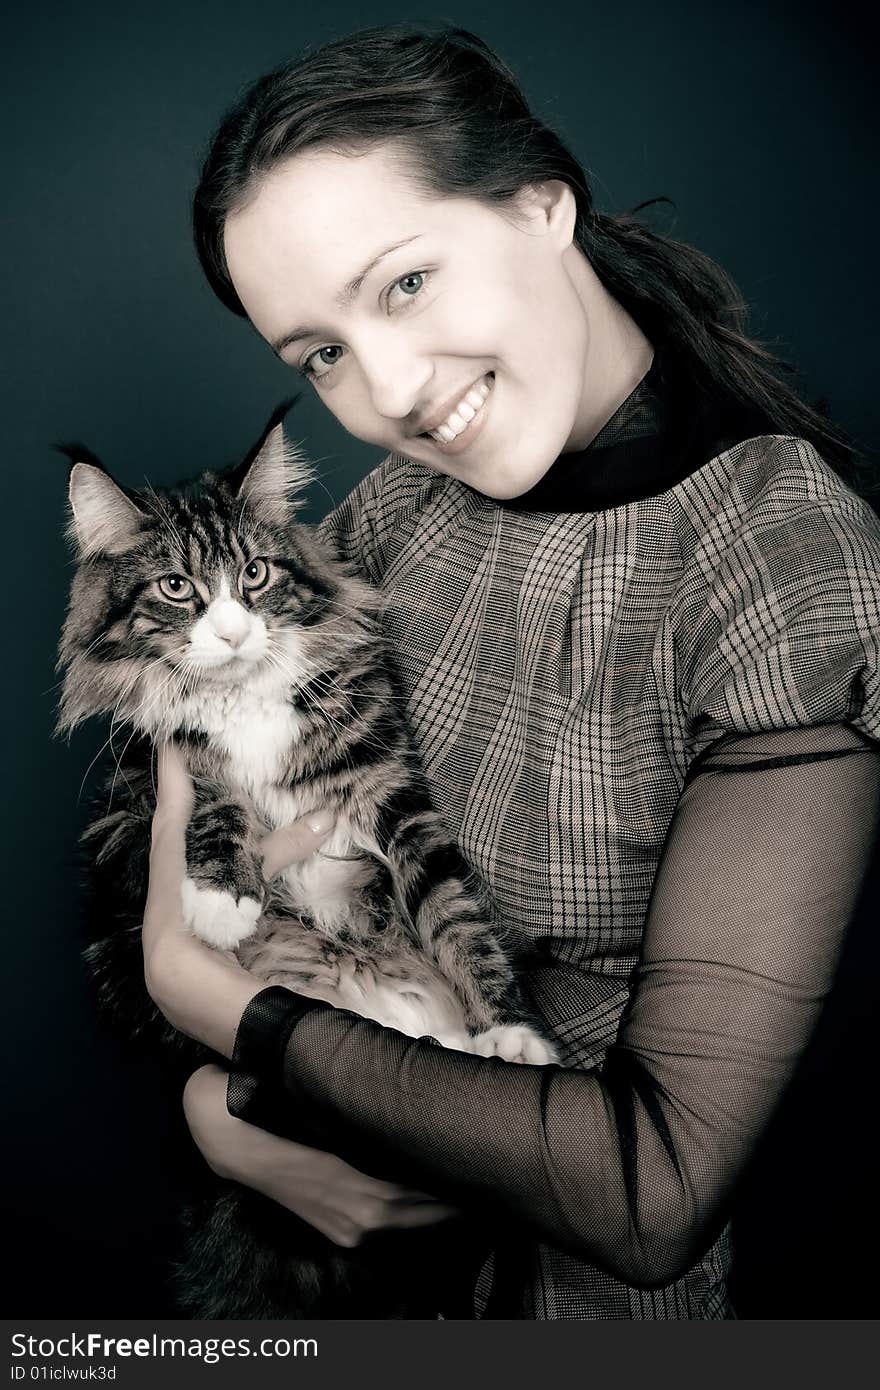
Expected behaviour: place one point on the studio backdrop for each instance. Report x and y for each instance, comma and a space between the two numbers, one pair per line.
754, 119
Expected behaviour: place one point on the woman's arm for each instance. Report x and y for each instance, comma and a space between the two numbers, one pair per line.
203, 992
174, 960
631, 1165
339, 1201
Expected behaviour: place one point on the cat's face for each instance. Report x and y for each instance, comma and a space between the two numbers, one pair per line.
201, 588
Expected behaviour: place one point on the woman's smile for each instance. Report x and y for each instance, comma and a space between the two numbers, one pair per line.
462, 425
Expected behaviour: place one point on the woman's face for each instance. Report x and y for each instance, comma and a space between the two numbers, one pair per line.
400, 306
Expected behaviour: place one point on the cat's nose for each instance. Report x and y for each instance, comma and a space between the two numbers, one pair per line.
229, 621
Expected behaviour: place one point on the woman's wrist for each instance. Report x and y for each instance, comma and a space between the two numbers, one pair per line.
256, 1076
232, 1148
202, 993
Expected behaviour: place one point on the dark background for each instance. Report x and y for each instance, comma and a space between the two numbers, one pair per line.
755, 118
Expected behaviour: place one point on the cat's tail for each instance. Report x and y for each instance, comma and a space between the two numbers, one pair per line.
247, 1257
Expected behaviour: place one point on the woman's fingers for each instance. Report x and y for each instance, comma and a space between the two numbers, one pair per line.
407, 1215
392, 1192
295, 842
174, 800
342, 1203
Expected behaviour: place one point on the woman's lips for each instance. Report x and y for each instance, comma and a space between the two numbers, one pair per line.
473, 428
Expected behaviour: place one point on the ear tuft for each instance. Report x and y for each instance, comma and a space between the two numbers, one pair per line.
273, 482
103, 518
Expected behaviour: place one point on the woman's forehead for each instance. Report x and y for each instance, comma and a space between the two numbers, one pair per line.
325, 199
319, 222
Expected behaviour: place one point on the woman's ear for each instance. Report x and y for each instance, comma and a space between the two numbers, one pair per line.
549, 206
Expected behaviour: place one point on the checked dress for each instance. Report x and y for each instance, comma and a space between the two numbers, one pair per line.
646, 696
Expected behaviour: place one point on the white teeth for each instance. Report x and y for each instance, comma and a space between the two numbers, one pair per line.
462, 415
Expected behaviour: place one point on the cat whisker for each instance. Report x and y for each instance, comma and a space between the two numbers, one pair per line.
114, 725
127, 687
152, 697
317, 711
342, 731
355, 717
89, 649
118, 769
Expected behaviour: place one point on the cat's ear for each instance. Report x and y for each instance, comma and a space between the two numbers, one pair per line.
103, 519
272, 482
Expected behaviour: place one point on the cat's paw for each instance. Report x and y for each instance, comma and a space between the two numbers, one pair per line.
515, 1042
216, 917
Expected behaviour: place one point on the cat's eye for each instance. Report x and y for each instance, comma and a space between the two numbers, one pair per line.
177, 587
255, 575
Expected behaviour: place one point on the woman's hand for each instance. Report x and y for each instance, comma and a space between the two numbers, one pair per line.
201, 991
345, 1205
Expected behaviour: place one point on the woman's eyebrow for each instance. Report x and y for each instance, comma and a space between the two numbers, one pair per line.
346, 296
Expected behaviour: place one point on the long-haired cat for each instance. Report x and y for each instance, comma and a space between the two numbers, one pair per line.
207, 614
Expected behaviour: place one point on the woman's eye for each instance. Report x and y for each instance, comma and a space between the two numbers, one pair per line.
409, 285
317, 365
177, 587
254, 575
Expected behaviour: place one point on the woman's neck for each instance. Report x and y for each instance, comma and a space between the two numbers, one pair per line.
618, 355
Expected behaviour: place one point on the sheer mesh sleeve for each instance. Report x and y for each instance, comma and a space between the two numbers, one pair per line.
631, 1164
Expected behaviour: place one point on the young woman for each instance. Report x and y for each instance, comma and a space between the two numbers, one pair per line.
635, 605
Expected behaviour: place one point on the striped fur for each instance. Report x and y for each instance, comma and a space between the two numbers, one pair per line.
285, 699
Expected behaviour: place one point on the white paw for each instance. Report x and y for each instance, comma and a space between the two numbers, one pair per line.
515, 1042
216, 917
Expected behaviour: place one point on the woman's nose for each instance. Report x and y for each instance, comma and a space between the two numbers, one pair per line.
396, 381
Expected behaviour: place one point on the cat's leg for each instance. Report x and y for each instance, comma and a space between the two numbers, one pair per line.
223, 892
443, 908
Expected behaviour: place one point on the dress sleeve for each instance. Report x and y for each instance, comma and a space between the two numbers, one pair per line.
630, 1164
348, 532
777, 615
360, 531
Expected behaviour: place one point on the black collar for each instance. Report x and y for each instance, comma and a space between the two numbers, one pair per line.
660, 434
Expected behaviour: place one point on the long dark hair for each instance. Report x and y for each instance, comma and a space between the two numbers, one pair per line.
461, 123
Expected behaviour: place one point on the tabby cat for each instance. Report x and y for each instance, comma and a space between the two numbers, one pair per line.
207, 614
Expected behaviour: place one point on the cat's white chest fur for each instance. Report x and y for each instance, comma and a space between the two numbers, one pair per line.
256, 729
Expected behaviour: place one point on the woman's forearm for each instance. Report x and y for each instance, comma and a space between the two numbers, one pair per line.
201, 991
632, 1165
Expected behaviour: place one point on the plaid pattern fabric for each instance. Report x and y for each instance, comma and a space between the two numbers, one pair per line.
564, 671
